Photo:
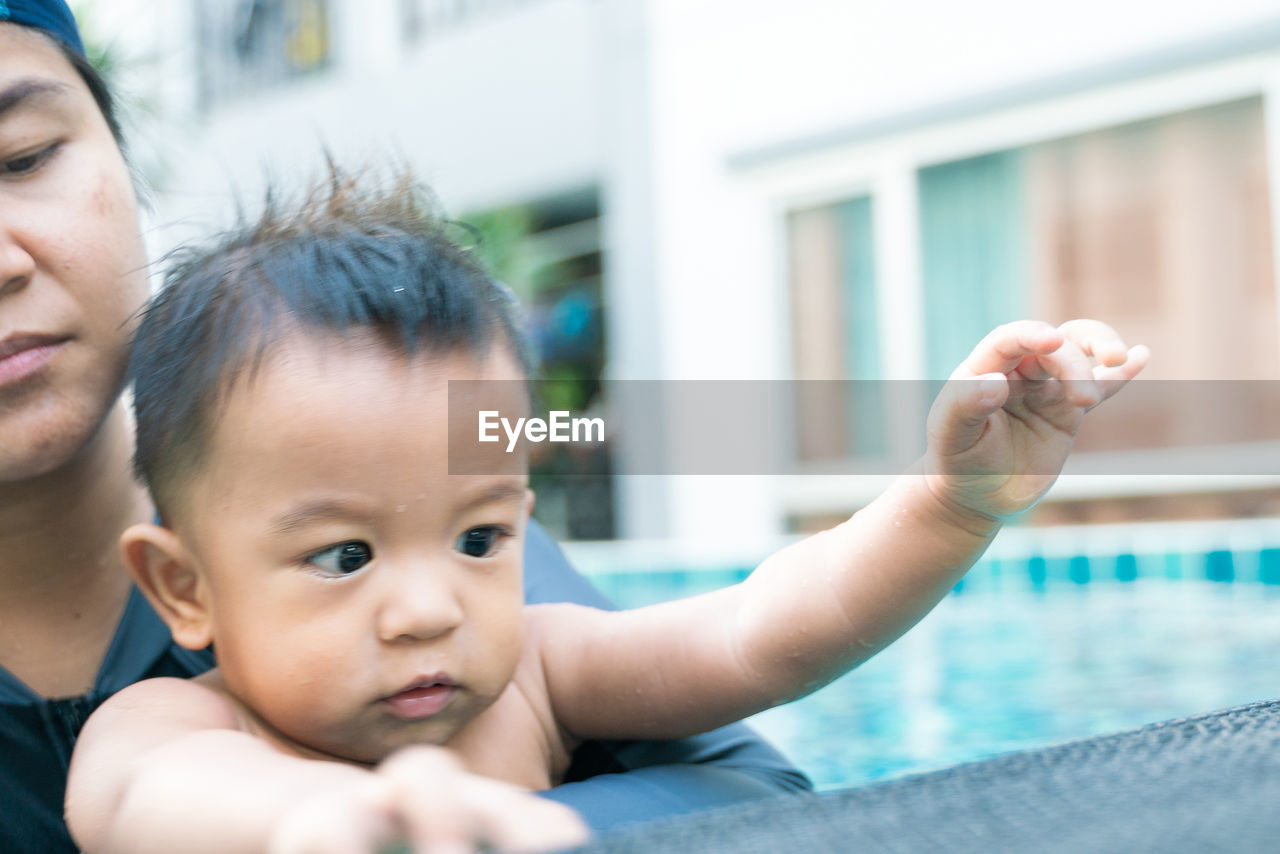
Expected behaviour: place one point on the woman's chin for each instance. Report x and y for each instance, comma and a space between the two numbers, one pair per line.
39, 441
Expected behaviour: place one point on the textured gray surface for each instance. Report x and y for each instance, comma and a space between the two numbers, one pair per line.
1203, 784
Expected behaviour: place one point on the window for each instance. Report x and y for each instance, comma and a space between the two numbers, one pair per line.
836, 332
1164, 228
422, 19
549, 252
973, 253
1160, 227
246, 45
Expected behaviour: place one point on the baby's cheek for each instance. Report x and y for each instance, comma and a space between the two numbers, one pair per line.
280, 671
499, 658
320, 669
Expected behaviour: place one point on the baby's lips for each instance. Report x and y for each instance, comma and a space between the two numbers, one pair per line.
423, 697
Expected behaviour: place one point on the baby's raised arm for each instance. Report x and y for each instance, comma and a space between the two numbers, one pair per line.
165, 765
999, 433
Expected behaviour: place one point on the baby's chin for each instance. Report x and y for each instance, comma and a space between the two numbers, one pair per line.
367, 749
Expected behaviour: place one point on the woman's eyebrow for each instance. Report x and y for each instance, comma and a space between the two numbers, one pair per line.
26, 90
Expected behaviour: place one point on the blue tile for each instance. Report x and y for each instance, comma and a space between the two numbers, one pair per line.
1078, 569
1269, 566
1219, 565
1037, 571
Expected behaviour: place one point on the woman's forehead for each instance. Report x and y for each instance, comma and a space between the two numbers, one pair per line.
35, 77
25, 52
53, 17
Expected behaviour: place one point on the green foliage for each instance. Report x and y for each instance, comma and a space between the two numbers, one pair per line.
502, 235
102, 55
140, 112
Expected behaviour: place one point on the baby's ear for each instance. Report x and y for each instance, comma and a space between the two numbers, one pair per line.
166, 573
529, 499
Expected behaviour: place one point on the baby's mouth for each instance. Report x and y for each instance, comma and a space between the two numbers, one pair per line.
422, 698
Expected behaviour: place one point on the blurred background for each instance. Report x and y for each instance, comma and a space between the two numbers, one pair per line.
818, 190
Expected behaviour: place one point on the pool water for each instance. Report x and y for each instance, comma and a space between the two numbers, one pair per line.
1028, 653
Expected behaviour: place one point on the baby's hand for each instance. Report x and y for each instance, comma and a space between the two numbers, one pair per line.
1001, 429
422, 800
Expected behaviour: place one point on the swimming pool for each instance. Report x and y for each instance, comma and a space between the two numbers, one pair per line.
1055, 635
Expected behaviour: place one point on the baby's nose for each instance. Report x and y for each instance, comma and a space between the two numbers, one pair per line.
418, 603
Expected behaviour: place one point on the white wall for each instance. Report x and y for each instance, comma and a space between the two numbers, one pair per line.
491, 113
731, 77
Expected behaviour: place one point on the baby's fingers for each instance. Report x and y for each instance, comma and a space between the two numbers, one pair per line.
959, 415
446, 810
1072, 368
1097, 340
518, 821
1113, 378
1006, 347
1036, 351
357, 818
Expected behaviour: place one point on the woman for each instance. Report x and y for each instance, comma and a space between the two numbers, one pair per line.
72, 628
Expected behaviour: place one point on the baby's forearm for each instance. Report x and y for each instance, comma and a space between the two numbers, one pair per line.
805, 616
829, 602
219, 791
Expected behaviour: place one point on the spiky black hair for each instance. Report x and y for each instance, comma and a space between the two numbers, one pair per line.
355, 255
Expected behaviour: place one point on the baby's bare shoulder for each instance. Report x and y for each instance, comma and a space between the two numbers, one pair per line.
126, 735
552, 618
167, 701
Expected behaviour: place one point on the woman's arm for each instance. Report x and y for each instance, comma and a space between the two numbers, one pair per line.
617, 782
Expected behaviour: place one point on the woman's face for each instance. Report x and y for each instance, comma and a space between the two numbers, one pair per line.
72, 264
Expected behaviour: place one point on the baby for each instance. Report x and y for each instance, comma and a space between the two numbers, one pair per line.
291, 388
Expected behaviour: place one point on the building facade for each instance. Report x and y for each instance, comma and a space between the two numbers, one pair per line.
716, 190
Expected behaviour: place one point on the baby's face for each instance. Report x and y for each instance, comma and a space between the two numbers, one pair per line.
360, 597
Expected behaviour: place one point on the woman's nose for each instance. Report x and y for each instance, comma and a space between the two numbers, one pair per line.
17, 266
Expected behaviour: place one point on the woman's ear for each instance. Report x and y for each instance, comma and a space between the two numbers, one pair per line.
529, 499
167, 574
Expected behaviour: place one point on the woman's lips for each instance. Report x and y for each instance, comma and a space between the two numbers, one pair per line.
421, 700
24, 355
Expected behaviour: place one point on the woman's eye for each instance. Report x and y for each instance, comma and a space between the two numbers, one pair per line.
342, 559
27, 163
480, 542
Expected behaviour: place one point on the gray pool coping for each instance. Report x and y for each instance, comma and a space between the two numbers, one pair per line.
1205, 783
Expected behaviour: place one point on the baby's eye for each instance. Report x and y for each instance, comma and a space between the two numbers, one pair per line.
343, 558
480, 542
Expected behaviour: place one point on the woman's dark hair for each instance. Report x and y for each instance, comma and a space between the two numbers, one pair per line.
98, 88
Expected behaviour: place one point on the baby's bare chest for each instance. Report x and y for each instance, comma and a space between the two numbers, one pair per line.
515, 739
